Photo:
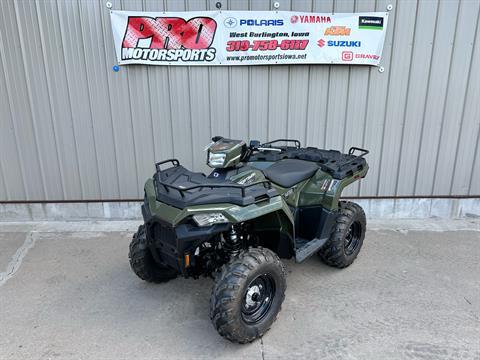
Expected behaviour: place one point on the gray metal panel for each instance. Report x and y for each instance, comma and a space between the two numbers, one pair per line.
59, 98
395, 110
416, 95
121, 121
378, 91
357, 103
38, 97
399, 80
21, 120
447, 22
71, 128
467, 153
460, 70
91, 26
138, 80
78, 89
12, 186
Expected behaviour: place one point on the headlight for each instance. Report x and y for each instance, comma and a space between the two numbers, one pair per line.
209, 219
216, 160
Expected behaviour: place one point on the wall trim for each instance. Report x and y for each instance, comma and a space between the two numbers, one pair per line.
375, 208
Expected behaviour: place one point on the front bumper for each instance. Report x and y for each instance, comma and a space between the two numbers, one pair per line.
172, 243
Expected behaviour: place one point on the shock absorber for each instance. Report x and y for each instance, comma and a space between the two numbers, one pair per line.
232, 242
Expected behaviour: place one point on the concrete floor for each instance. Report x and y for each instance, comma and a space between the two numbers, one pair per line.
71, 294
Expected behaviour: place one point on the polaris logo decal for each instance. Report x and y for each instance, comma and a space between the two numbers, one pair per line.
247, 180
261, 22
289, 192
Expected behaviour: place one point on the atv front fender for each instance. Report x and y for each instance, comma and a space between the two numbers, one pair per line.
234, 213
181, 236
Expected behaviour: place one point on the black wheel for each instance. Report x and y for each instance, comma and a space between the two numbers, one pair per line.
347, 236
142, 262
247, 295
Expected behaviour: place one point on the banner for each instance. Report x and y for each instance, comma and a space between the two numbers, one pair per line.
248, 37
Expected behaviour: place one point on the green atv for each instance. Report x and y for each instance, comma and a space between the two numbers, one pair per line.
262, 202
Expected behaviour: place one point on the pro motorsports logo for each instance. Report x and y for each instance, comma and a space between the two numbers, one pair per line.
169, 39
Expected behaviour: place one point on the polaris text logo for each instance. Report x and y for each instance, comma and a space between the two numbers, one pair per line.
261, 22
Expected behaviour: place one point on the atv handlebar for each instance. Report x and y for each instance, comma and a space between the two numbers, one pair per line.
298, 145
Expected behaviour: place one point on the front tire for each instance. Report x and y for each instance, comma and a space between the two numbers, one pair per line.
347, 237
142, 262
247, 295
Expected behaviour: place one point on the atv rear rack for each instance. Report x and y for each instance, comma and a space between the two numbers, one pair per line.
337, 164
353, 164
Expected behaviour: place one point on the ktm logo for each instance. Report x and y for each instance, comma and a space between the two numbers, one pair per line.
338, 31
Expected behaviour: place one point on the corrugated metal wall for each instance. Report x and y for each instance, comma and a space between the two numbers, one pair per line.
71, 128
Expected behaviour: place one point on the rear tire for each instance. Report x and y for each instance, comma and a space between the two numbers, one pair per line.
247, 295
142, 262
347, 236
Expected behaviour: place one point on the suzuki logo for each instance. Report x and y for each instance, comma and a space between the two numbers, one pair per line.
321, 43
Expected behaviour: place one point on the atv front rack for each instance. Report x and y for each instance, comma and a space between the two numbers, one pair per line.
180, 187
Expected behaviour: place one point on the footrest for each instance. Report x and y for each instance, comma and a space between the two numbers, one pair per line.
306, 248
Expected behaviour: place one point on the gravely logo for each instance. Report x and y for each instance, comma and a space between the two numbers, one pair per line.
367, 56
169, 39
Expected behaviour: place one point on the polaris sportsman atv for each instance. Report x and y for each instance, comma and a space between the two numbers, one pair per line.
262, 202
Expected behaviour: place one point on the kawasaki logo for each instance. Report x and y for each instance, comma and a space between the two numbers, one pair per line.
370, 22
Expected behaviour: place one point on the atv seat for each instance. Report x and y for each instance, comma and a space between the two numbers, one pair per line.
289, 172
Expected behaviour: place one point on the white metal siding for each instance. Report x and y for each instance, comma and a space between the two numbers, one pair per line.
72, 129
